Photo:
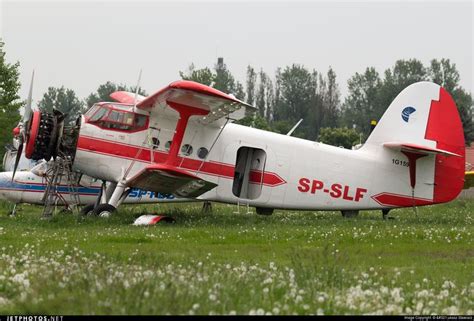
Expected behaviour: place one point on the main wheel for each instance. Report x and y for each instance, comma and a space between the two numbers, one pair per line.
264, 211
350, 213
88, 210
104, 210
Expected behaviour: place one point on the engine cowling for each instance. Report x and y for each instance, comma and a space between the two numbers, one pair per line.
44, 135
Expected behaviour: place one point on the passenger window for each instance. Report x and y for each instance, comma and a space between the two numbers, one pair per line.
187, 150
202, 152
168, 145
155, 142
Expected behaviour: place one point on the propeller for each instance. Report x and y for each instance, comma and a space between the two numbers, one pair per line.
24, 125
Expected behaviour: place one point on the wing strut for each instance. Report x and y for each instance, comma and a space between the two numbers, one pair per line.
412, 158
212, 146
185, 112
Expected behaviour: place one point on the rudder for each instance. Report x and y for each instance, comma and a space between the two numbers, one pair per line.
423, 119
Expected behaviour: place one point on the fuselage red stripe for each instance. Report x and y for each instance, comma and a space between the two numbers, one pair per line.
121, 150
398, 200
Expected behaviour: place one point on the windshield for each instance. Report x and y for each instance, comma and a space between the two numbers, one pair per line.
105, 116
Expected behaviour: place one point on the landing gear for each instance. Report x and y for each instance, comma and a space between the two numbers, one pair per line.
349, 213
264, 211
13, 211
88, 210
109, 198
207, 207
104, 210
385, 213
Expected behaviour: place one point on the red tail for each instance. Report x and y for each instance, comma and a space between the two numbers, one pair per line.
445, 127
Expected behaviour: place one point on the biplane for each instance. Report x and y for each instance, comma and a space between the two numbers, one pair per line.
183, 141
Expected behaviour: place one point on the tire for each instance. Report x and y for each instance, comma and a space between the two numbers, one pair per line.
87, 210
350, 213
104, 210
264, 211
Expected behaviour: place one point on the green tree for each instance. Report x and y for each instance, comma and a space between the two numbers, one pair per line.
296, 99
363, 101
255, 121
465, 105
369, 95
310, 95
265, 96
203, 76
221, 78
401, 75
331, 100
10, 102
251, 84
344, 137
283, 127
64, 100
225, 82
445, 74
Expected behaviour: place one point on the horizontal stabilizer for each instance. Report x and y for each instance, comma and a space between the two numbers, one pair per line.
418, 149
167, 179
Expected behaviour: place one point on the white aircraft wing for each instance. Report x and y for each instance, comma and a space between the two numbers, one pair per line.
163, 178
212, 104
181, 100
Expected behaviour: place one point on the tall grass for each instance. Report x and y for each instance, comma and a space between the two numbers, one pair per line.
226, 263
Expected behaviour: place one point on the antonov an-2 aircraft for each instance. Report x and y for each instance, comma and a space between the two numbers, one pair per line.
182, 140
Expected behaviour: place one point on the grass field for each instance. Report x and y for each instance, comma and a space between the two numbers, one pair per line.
227, 263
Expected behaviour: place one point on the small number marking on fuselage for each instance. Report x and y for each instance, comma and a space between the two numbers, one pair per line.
400, 162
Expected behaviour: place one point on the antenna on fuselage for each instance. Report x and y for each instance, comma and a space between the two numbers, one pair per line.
294, 127
136, 90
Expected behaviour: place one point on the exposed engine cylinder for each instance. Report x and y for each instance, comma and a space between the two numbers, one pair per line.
45, 136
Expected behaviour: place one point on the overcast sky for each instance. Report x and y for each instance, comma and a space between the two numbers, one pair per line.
83, 44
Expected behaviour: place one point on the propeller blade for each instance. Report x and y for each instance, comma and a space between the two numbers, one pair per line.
18, 156
28, 111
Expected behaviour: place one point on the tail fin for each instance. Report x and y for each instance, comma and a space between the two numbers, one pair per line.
424, 120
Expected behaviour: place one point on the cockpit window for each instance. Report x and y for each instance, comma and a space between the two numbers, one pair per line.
107, 117
99, 114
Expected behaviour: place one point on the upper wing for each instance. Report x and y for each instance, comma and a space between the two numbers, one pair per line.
213, 103
126, 97
163, 178
181, 100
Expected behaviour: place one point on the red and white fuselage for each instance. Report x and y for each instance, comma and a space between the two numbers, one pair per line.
415, 156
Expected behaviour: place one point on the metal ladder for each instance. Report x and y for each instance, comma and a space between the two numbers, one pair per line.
61, 167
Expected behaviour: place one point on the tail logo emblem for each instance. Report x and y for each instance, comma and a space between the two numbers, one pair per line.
406, 112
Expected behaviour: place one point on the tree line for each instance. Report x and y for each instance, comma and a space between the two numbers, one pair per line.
292, 93
296, 92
